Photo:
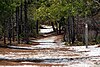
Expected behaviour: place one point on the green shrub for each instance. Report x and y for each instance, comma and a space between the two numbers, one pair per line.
67, 44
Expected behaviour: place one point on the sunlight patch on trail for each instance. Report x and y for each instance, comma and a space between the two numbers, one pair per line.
45, 26
45, 40
47, 30
81, 64
90, 51
21, 66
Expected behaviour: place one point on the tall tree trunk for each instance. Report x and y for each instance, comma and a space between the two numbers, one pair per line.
13, 30
37, 27
77, 29
9, 31
59, 27
73, 30
21, 19
4, 32
69, 30
26, 23
65, 28
53, 26
17, 22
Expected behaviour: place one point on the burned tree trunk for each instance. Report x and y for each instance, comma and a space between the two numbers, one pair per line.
17, 24
70, 30
53, 26
59, 27
9, 31
37, 27
73, 30
26, 23
4, 32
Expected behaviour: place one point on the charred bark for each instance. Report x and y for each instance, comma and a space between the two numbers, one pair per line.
37, 27
4, 32
26, 23
53, 26
17, 24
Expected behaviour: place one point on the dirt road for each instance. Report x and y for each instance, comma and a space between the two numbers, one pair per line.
50, 52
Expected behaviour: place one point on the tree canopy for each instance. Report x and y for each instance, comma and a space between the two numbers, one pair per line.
55, 9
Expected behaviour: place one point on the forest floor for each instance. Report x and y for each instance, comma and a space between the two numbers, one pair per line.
49, 51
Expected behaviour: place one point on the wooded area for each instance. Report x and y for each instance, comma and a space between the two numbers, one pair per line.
77, 22
19, 18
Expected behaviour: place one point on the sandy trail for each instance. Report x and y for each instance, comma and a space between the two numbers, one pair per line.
50, 52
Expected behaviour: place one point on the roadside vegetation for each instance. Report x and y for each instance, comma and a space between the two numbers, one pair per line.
22, 19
